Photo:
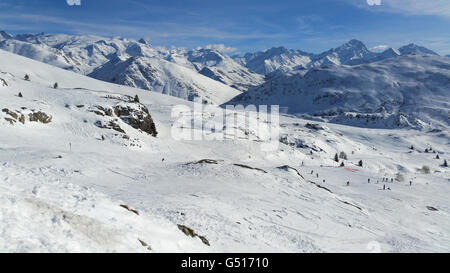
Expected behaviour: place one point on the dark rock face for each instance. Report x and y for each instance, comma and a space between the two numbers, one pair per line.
129, 111
40, 117
11, 113
112, 124
190, 232
314, 126
15, 116
137, 116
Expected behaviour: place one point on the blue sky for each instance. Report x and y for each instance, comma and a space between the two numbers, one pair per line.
241, 25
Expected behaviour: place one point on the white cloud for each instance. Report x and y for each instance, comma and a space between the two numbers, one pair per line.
379, 48
73, 2
413, 7
373, 2
221, 48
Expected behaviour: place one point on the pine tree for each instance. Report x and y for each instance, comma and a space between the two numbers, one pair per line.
342, 164
20, 95
437, 157
55, 85
27, 78
445, 163
360, 163
136, 99
336, 158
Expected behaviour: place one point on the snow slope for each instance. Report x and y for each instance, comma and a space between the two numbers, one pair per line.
393, 92
165, 77
133, 63
220, 67
275, 59
62, 183
415, 49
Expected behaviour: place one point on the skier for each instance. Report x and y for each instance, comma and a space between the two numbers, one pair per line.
368, 180
348, 183
384, 187
410, 183
317, 175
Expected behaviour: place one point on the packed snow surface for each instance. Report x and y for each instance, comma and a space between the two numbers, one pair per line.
62, 183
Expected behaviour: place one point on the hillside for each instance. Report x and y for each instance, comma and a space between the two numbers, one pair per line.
396, 92
165, 77
224, 69
80, 173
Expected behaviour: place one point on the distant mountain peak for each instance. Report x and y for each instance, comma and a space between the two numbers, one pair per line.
143, 41
415, 49
355, 42
4, 35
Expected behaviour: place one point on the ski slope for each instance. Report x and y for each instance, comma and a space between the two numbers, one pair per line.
62, 183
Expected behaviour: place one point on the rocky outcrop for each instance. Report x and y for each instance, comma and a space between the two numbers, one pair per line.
112, 124
129, 111
40, 117
137, 116
18, 116
190, 232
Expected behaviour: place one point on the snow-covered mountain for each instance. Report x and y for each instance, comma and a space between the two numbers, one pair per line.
43, 53
165, 77
220, 67
275, 59
4, 35
84, 54
80, 173
415, 49
351, 53
280, 60
87, 51
407, 87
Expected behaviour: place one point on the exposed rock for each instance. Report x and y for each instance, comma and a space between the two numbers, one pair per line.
10, 113
190, 232
314, 126
40, 117
130, 209
102, 111
287, 167
144, 244
22, 118
251, 168
110, 125
137, 116
10, 120
3, 82
207, 161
